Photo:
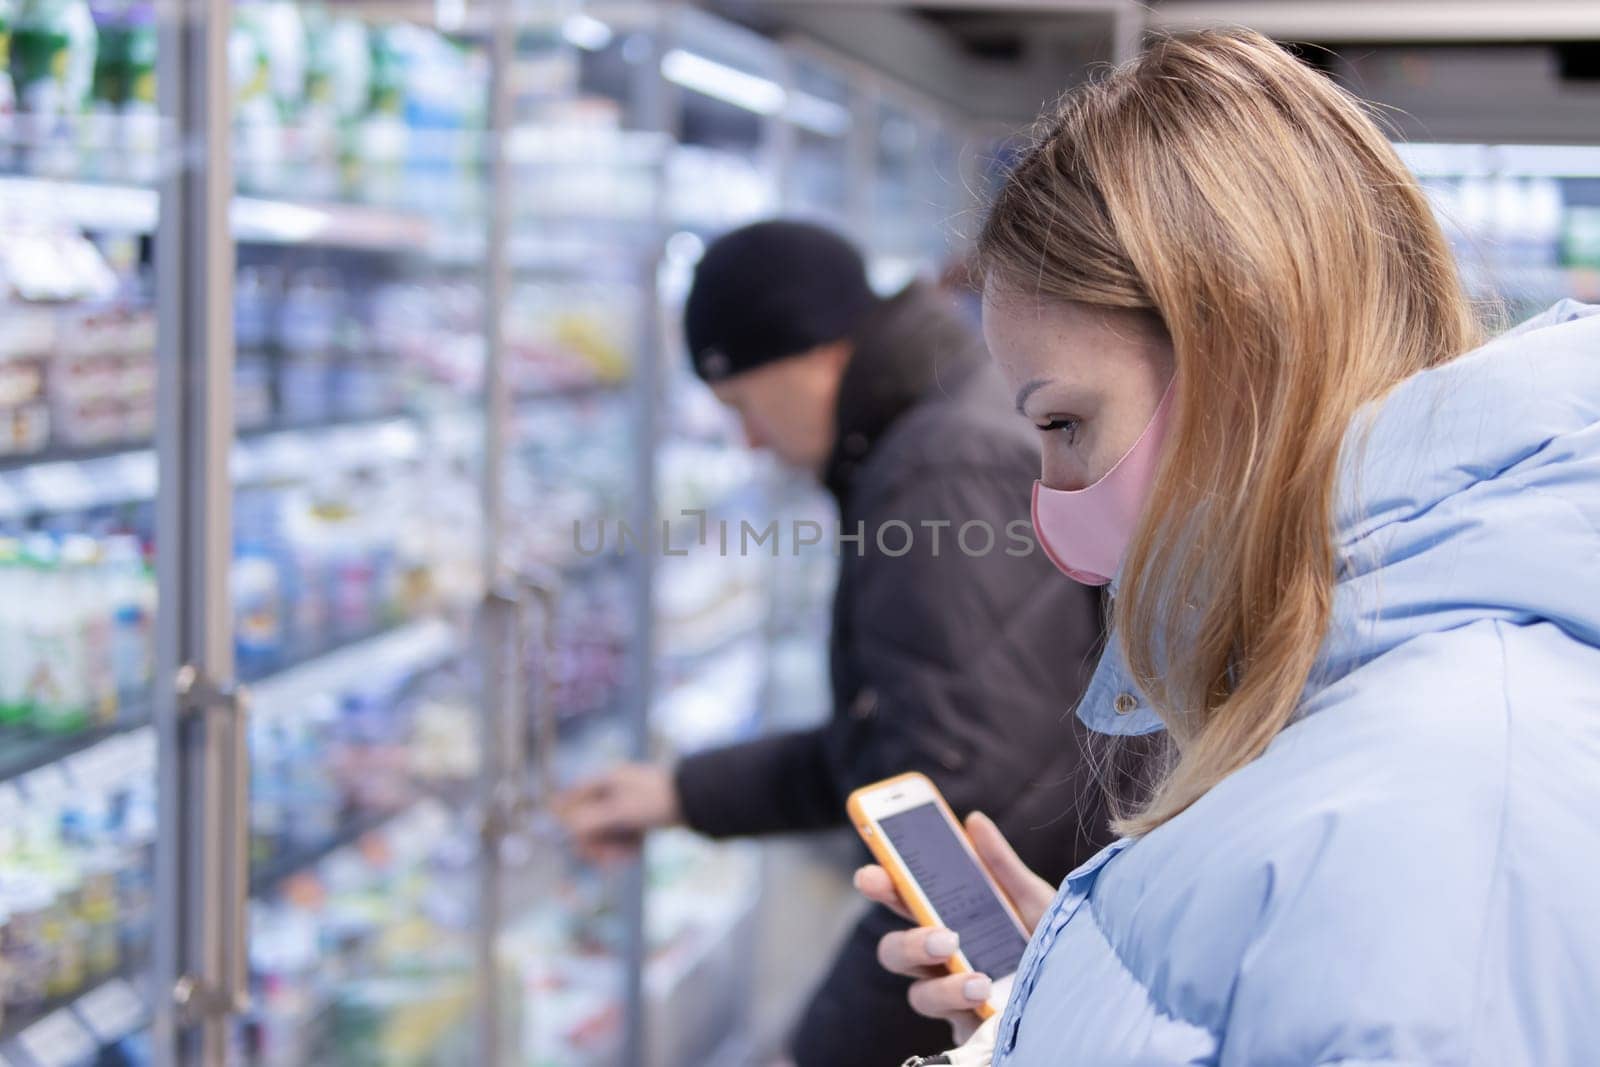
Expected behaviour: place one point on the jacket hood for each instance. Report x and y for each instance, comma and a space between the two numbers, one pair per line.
909, 345
1471, 491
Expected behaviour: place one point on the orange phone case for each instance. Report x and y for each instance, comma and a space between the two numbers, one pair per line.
902, 878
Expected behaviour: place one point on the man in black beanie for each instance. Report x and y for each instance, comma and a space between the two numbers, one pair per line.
959, 663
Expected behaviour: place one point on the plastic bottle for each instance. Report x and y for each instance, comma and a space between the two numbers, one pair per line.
140, 112
15, 596
8, 97
382, 135
317, 162
132, 595
257, 611
107, 89
53, 57
307, 325
58, 693
85, 592
40, 40
258, 134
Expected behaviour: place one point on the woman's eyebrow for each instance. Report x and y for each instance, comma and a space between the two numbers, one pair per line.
1028, 389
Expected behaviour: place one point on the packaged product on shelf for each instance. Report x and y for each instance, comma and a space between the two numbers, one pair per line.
347, 61
24, 412
78, 641
1580, 239
75, 874
8, 97
97, 147
27, 336
25, 949
443, 97
256, 292
365, 959
59, 697
315, 160
139, 113
307, 323
257, 611
362, 385
316, 807
267, 61
132, 590
53, 46
14, 601
376, 150
87, 591
102, 378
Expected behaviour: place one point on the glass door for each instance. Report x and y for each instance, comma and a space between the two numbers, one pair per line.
1524, 220
584, 165
356, 567
88, 279
818, 172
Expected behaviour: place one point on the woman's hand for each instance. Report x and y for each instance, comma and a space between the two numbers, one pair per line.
922, 953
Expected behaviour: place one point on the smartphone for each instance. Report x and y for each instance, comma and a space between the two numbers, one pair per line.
915, 837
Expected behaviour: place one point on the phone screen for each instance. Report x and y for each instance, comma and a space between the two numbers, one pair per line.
956, 888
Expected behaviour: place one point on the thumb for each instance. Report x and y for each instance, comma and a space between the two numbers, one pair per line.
1030, 893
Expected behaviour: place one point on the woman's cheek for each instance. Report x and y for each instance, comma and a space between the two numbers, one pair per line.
1061, 468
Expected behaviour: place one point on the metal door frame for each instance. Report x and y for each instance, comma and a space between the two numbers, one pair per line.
202, 878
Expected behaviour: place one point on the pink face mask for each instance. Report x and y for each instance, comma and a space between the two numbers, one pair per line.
1085, 532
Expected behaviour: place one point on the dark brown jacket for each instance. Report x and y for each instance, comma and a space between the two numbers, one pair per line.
963, 666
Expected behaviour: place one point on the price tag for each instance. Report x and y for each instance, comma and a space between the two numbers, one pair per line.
112, 1012
58, 1040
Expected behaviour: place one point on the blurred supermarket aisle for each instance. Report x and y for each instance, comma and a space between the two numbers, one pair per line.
312, 408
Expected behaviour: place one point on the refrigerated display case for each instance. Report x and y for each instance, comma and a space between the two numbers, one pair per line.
359, 569
92, 218
1524, 220
311, 418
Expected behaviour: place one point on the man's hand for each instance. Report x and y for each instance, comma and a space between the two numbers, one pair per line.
922, 953
608, 816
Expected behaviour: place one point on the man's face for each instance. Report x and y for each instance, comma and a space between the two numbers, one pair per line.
787, 406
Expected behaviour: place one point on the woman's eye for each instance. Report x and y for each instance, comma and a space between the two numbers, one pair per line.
1069, 425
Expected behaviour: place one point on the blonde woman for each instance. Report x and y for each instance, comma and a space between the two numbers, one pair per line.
1355, 554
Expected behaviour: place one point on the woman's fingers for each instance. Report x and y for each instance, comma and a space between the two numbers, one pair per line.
954, 997
874, 883
1030, 893
917, 953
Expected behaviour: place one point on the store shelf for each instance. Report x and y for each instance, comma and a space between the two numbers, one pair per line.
267, 877
90, 453
571, 392
740, 619
418, 646
23, 751
71, 1028
52, 484
117, 208
421, 645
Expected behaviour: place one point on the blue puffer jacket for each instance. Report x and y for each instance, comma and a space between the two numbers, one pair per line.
1411, 873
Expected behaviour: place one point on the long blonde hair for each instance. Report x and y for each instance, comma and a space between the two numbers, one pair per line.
1255, 209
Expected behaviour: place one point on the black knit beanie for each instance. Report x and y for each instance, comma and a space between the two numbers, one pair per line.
769, 291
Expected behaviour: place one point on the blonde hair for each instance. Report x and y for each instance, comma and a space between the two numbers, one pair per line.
1255, 209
